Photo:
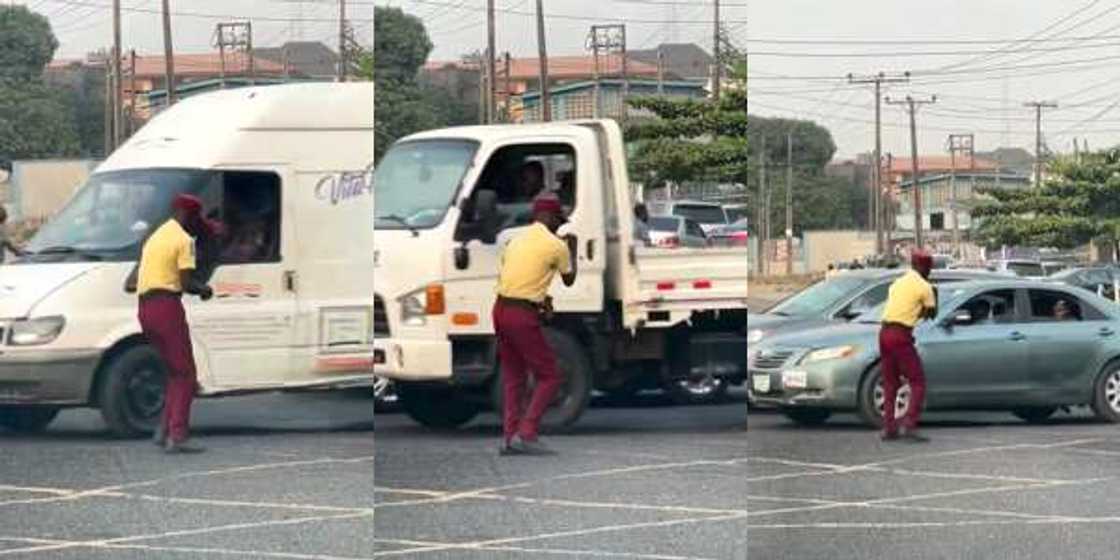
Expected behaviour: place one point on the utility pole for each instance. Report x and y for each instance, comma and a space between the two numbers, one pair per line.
888, 202
912, 105
625, 77
491, 65
342, 62
132, 92
118, 82
1038, 107
546, 99
789, 204
509, 87
761, 206
168, 52
108, 106
879, 79
717, 70
660, 71
958, 143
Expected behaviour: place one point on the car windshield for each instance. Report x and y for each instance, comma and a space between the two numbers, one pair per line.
819, 297
701, 213
662, 223
416, 182
1026, 269
946, 298
114, 212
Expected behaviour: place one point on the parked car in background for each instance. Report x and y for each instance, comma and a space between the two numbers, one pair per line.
673, 231
708, 214
735, 212
1019, 267
994, 345
1053, 267
1100, 280
730, 235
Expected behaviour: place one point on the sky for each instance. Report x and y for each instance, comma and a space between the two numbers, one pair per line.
1064, 51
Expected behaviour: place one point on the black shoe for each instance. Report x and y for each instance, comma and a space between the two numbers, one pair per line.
182, 447
533, 447
912, 436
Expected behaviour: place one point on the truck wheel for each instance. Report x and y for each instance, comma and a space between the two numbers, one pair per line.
870, 407
131, 392
1106, 394
439, 408
1034, 414
808, 416
575, 392
697, 390
27, 419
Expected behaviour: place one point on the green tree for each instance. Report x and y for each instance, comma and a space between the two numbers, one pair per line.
1078, 204
27, 43
35, 122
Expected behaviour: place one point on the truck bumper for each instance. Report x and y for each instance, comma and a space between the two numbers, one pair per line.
412, 359
61, 377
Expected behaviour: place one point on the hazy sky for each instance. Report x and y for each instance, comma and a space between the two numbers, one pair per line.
1071, 58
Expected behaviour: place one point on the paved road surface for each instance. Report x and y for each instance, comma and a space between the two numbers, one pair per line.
649, 481
987, 487
285, 476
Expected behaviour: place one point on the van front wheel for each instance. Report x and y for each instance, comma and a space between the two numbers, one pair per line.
131, 392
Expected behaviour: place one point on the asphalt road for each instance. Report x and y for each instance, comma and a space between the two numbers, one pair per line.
644, 480
987, 486
285, 476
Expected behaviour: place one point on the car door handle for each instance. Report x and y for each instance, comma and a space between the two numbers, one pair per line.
1016, 335
1105, 331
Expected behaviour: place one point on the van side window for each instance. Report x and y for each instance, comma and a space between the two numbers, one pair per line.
518, 174
251, 213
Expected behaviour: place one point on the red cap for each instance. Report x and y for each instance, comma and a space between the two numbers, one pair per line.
921, 260
187, 202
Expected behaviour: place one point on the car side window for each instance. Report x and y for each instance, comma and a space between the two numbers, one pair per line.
1057, 306
995, 307
867, 300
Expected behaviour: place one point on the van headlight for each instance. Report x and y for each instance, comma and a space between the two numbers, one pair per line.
755, 335
833, 353
35, 332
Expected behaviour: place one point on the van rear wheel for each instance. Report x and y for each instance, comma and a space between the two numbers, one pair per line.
130, 393
435, 407
27, 419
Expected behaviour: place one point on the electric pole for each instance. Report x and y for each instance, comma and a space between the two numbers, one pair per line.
962, 143
118, 82
912, 105
1038, 107
342, 62
718, 68
546, 99
761, 206
789, 204
888, 203
508, 88
168, 52
660, 72
491, 65
879, 79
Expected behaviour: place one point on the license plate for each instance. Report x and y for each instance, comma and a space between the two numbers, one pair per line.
762, 383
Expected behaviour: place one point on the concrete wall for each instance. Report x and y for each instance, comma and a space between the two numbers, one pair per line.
824, 247
38, 189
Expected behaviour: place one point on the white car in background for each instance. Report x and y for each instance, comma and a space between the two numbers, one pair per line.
708, 214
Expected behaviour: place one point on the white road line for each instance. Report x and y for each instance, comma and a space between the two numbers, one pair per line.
37, 490
225, 552
236, 503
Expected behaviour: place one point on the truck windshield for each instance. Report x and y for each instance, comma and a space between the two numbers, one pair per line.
820, 297
113, 213
416, 182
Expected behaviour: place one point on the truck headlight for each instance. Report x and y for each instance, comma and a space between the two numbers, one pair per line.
755, 335
833, 353
413, 312
35, 332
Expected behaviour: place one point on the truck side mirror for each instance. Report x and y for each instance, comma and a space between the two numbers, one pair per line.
462, 257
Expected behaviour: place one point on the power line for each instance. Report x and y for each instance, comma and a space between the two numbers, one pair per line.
201, 15
574, 17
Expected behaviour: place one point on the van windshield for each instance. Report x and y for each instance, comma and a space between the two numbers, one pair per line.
114, 212
416, 182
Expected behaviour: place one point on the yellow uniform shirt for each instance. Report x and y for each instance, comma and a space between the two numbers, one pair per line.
168, 252
530, 262
907, 297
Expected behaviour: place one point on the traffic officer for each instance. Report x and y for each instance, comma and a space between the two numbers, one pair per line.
910, 299
165, 272
528, 265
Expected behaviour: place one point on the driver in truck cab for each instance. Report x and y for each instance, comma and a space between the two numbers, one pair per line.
528, 265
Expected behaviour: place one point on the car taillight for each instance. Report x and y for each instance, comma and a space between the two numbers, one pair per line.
670, 242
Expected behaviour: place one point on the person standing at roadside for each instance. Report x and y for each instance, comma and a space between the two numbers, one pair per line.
528, 265
910, 299
165, 273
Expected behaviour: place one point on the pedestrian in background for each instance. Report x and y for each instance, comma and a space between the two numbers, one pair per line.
165, 273
6, 244
641, 224
910, 299
528, 265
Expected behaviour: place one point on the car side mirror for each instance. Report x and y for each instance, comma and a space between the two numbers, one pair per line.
958, 318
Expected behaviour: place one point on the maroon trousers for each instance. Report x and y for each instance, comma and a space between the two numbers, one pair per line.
164, 323
522, 348
900, 359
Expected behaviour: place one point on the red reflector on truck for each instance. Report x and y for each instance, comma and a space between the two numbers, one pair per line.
702, 284
664, 286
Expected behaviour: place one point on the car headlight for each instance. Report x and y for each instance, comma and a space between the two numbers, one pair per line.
414, 310
833, 353
34, 332
755, 335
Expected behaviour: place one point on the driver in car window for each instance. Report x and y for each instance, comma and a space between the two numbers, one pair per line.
1063, 311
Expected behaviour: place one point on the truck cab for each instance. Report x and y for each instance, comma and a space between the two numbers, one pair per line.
447, 203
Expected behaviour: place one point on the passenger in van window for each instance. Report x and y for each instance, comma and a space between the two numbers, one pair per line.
532, 180
248, 244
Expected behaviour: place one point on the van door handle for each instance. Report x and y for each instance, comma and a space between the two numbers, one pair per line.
1016, 335
590, 249
290, 280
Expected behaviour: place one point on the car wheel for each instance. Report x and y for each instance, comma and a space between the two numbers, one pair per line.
574, 395
131, 392
27, 419
437, 407
1035, 414
808, 416
697, 390
1106, 394
871, 399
